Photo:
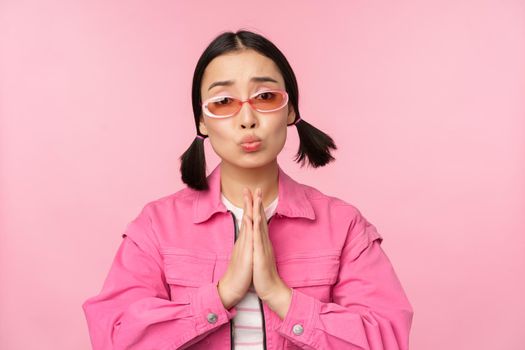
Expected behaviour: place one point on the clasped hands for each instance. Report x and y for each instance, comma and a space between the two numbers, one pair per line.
253, 259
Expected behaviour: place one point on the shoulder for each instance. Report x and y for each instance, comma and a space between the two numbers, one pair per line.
342, 213
324, 201
168, 204
157, 210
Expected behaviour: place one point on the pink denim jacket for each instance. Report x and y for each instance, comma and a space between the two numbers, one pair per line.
161, 290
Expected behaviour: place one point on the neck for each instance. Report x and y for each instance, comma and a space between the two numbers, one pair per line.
234, 179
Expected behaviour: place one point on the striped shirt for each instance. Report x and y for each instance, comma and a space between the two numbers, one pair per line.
247, 323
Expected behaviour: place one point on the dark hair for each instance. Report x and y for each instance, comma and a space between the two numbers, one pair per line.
314, 144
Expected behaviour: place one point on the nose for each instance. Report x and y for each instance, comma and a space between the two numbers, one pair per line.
248, 119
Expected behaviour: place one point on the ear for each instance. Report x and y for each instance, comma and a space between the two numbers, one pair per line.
202, 127
291, 114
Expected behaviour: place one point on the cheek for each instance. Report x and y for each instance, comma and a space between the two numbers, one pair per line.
277, 132
221, 138
220, 130
222, 144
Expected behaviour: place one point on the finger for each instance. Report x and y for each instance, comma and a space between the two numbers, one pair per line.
250, 203
248, 219
261, 207
247, 222
262, 232
256, 210
244, 213
257, 221
260, 213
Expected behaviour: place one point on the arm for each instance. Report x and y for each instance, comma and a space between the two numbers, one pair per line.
133, 309
369, 310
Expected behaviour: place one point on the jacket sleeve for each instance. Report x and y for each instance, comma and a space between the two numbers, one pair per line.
370, 309
134, 311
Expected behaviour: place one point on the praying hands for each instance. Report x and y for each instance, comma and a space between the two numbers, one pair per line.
253, 260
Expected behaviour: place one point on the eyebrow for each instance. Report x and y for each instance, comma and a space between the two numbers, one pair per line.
230, 82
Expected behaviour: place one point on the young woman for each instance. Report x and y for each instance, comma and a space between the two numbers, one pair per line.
247, 257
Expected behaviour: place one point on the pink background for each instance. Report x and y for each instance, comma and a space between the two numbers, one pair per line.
425, 100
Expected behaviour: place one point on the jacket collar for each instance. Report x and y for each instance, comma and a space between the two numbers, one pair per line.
293, 201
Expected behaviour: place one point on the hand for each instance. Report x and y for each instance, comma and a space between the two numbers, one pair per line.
236, 281
266, 280
253, 254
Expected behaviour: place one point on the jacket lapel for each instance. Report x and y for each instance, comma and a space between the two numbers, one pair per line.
293, 200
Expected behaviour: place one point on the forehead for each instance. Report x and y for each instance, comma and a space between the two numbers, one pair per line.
240, 66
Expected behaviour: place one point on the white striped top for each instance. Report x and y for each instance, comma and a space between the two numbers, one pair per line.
247, 322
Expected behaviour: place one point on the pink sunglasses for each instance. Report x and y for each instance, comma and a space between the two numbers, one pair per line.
227, 106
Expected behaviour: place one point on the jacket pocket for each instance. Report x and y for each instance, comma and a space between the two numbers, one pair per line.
186, 269
312, 272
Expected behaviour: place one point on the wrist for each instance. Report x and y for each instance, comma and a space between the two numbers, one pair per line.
280, 301
227, 299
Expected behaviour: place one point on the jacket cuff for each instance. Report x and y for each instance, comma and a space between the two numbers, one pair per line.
207, 308
300, 320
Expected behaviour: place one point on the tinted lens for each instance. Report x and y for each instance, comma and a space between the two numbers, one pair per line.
223, 106
268, 100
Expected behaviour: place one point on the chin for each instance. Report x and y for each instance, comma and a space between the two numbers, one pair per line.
253, 162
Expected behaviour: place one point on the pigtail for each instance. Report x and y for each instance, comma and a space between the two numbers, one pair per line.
314, 144
193, 165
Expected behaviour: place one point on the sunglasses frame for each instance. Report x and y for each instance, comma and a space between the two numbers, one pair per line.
241, 103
